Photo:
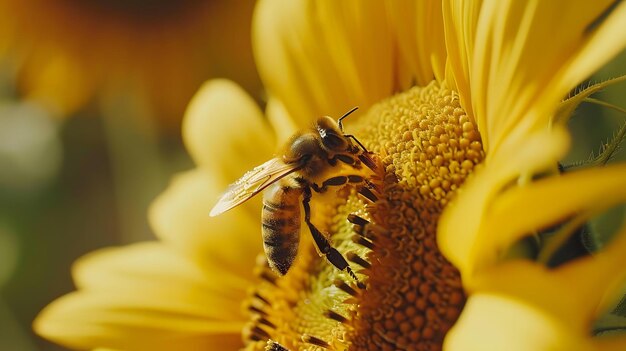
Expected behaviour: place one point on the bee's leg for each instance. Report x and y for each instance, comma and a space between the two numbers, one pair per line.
363, 185
347, 159
368, 161
332, 255
338, 181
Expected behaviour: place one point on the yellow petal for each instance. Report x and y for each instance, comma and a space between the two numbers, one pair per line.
144, 296
604, 40
495, 323
280, 120
547, 202
561, 302
323, 57
599, 278
460, 234
539, 288
231, 241
518, 72
418, 27
460, 20
225, 132
147, 265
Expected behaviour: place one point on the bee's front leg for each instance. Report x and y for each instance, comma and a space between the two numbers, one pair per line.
362, 184
332, 255
350, 160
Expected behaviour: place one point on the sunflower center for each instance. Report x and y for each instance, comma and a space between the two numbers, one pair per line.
427, 146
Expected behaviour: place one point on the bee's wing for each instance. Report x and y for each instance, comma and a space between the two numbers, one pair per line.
252, 183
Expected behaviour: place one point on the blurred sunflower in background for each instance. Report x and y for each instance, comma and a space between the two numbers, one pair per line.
467, 105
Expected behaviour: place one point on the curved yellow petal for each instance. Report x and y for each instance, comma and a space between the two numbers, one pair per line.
514, 72
229, 242
599, 278
146, 265
324, 57
225, 132
494, 323
547, 202
418, 27
603, 39
460, 234
562, 303
460, 19
280, 120
144, 296
537, 287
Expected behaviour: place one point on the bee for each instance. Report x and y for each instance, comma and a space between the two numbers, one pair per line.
312, 160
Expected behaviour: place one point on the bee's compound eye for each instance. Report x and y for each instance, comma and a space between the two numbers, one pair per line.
332, 137
333, 141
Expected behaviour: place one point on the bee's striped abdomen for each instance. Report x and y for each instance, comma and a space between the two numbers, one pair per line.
281, 225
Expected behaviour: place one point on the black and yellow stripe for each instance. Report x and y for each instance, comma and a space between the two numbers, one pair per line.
280, 219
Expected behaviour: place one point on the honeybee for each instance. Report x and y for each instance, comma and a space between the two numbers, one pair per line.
312, 160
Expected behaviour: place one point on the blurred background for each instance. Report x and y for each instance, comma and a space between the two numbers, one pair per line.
92, 93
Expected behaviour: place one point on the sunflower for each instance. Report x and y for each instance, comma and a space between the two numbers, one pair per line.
68, 50
466, 105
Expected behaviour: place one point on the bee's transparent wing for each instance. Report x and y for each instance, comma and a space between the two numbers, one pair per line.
252, 183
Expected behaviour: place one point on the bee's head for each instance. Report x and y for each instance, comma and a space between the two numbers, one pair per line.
332, 137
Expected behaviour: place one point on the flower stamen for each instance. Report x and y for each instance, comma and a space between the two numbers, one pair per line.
345, 287
309, 339
336, 316
354, 258
357, 239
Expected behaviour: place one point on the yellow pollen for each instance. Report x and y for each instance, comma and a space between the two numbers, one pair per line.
427, 147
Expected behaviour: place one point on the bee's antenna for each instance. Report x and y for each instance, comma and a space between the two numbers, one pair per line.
340, 120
